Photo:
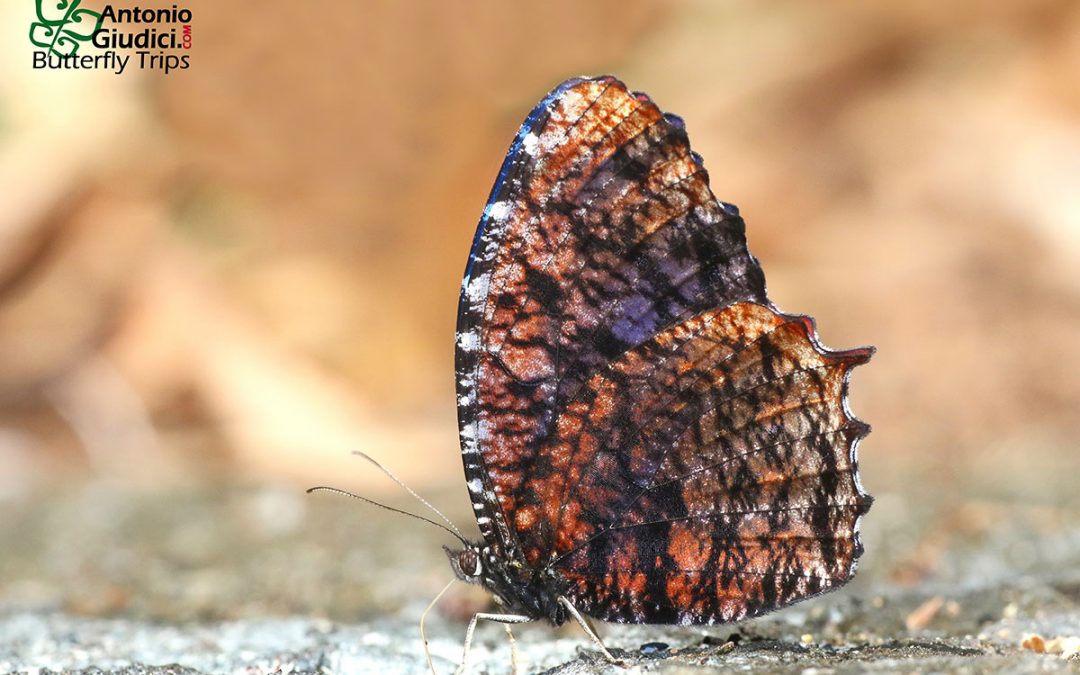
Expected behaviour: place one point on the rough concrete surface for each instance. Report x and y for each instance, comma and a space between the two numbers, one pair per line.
257, 579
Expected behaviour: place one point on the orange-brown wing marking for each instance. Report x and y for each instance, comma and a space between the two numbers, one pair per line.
600, 232
711, 473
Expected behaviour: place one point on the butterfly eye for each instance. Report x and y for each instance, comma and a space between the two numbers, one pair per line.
469, 562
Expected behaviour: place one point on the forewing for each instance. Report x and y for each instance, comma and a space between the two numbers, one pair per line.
600, 232
713, 473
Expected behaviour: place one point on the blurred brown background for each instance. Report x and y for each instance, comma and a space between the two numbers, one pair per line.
245, 270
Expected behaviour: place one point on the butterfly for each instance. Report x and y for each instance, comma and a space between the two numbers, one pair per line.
646, 438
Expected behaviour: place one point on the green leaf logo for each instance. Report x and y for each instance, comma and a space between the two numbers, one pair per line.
65, 28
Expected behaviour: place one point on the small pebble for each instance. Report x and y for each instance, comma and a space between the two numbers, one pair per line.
654, 647
1034, 643
807, 638
1068, 647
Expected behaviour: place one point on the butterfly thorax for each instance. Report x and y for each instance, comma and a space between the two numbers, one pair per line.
515, 587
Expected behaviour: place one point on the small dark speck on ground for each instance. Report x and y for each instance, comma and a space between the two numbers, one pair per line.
256, 579
653, 647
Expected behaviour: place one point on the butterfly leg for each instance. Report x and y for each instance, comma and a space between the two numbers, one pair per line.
513, 649
497, 618
584, 623
423, 636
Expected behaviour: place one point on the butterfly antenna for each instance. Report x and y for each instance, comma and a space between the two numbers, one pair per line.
346, 493
408, 489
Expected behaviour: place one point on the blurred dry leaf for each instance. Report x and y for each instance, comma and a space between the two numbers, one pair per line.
258, 258
278, 413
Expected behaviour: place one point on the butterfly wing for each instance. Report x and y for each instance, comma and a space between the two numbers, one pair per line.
600, 232
712, 472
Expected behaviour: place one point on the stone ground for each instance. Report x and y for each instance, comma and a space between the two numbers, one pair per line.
254, 579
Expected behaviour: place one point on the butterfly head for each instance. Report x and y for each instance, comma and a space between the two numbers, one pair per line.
467, 563
513, 587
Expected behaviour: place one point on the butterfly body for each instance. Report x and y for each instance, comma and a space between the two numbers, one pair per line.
646, 438
515, 588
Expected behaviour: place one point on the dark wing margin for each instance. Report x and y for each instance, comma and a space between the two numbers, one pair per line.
600, 232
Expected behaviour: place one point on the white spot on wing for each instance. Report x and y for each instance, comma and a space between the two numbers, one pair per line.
530, 143
483, 428
497, 210
476, 289
468, 434
468, 341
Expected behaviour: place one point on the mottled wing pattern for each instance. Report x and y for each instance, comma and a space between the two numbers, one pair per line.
600, 231
634, 413
715, 474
